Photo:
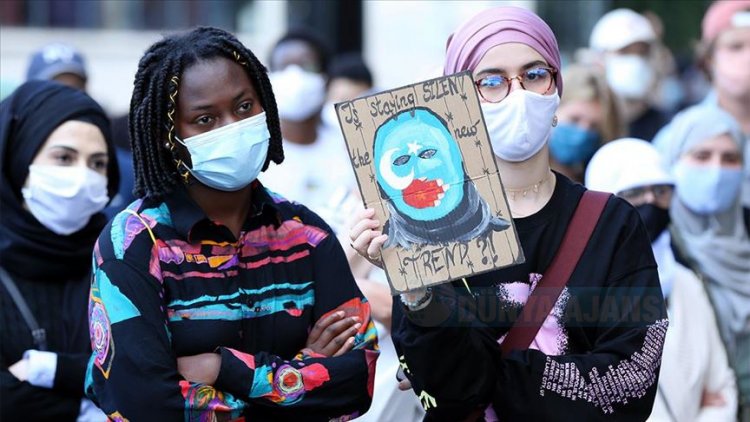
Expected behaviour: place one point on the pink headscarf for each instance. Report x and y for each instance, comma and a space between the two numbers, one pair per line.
501, 25
718, 17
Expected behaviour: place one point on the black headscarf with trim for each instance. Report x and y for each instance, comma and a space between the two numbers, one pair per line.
27, 117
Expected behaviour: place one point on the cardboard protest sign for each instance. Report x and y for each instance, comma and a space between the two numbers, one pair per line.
423, 161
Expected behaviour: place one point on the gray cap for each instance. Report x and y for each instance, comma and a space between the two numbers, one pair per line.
55, 59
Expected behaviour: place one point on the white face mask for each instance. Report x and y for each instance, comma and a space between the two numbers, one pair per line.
629, 75
63, 199
232, 156
299, 93
520, 125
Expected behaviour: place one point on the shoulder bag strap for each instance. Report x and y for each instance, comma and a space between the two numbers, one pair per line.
39, 334
545, 295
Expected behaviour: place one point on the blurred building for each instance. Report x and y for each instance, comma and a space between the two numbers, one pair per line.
402, 41
113, 34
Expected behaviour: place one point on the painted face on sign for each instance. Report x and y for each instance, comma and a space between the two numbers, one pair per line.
418, 165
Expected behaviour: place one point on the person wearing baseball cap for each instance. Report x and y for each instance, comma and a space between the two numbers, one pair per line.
626, 40
61, 63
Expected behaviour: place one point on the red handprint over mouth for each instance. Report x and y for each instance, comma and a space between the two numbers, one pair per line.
423, 193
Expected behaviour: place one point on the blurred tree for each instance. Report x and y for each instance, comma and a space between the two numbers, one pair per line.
572, 22
681, 20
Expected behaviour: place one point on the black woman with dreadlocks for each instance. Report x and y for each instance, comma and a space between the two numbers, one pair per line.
214, 298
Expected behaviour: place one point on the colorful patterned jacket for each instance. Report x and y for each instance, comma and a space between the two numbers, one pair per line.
185, 286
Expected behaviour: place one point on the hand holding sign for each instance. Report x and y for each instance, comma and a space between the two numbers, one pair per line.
366, 239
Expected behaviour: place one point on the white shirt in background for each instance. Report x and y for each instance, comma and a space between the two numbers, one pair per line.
311, 174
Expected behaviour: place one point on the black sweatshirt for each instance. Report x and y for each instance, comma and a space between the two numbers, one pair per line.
597, 355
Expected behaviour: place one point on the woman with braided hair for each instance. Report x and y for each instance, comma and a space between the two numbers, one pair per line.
217, 298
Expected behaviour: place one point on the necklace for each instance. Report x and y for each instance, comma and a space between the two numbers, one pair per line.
531, 188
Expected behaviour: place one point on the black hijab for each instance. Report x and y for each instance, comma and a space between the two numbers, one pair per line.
27, 118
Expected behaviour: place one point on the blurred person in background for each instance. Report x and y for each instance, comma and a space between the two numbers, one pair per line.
59, 171
348, 78
298, 64
218, 299
58, 62
588, 116
724, 55
65, 64
704, 152
315, 166
454, 339
669, 94
696, 382
625, 42
695, 84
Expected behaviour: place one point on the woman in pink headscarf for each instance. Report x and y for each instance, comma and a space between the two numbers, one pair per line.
597, 351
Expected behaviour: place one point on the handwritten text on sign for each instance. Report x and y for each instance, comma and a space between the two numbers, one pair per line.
423, 161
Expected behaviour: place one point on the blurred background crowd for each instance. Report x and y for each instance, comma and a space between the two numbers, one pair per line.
673, 76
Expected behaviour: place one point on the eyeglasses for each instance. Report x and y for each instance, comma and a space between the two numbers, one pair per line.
638, 195
494, 88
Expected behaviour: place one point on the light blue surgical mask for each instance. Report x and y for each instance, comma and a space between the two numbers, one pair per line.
707, 190
232, 156
571, 144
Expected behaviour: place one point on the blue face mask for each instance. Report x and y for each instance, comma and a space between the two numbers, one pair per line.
707, 190
570, 144
232, 156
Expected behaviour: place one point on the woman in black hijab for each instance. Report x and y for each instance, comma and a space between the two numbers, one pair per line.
58, 171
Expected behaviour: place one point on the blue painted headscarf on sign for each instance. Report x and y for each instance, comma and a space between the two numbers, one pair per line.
419, 169
418, 165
